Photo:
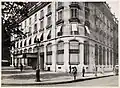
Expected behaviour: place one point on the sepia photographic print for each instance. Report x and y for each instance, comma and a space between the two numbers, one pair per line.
59, 44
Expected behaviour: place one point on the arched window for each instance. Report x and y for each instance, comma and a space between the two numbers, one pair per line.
74, 52
103, 55
107, 56
86, 52
49, 54
60, 53
35, 49
100, 55
96, 54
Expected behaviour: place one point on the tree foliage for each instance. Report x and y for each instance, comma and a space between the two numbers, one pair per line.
12, 12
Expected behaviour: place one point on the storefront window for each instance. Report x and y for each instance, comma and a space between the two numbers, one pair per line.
49, 54
60, 53
86, 53
74, 53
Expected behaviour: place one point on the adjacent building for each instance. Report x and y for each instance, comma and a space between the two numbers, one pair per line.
70, 33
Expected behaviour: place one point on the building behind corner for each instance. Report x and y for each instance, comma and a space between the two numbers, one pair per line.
81, 34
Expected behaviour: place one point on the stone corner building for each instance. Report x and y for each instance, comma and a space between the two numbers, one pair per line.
70, 33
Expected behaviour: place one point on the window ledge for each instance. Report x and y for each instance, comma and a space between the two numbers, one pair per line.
41, 18
74, 20
60, 21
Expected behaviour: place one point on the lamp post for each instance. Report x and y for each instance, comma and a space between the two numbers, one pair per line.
37, 41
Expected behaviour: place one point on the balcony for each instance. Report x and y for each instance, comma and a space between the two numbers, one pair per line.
74, 20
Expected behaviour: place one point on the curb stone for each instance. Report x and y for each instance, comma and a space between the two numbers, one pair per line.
50, 83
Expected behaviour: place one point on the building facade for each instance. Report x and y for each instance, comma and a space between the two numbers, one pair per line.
71, 34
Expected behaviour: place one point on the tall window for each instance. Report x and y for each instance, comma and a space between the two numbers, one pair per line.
110, 57
35, 17
96, 54
29, 21
60, 53
49, 54
30, 29
100, 55
74, 53
49, 9
41, 24
21, 44
86, 53
30, 41
107, 56
49, 20
25, 43
60, 15
103, 55
25, 24
74, 13
35, 27
41, 14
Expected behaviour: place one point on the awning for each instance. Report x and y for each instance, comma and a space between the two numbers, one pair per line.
20, 56
39, 36
74, 27
58, 28
48, 32
88, 31
31, 55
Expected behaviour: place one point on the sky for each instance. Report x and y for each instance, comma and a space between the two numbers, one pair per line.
114, 4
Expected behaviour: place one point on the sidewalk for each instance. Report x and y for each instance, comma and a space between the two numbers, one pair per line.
47, 78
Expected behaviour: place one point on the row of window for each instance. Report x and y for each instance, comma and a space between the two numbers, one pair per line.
100, 56
100, 53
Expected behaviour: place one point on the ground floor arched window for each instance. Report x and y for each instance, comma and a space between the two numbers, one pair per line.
74, 52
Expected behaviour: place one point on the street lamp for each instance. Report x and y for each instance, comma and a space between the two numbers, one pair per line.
37, 41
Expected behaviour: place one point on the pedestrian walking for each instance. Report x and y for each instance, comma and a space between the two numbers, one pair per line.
21, 67
70, 69
83, 72
74, 72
